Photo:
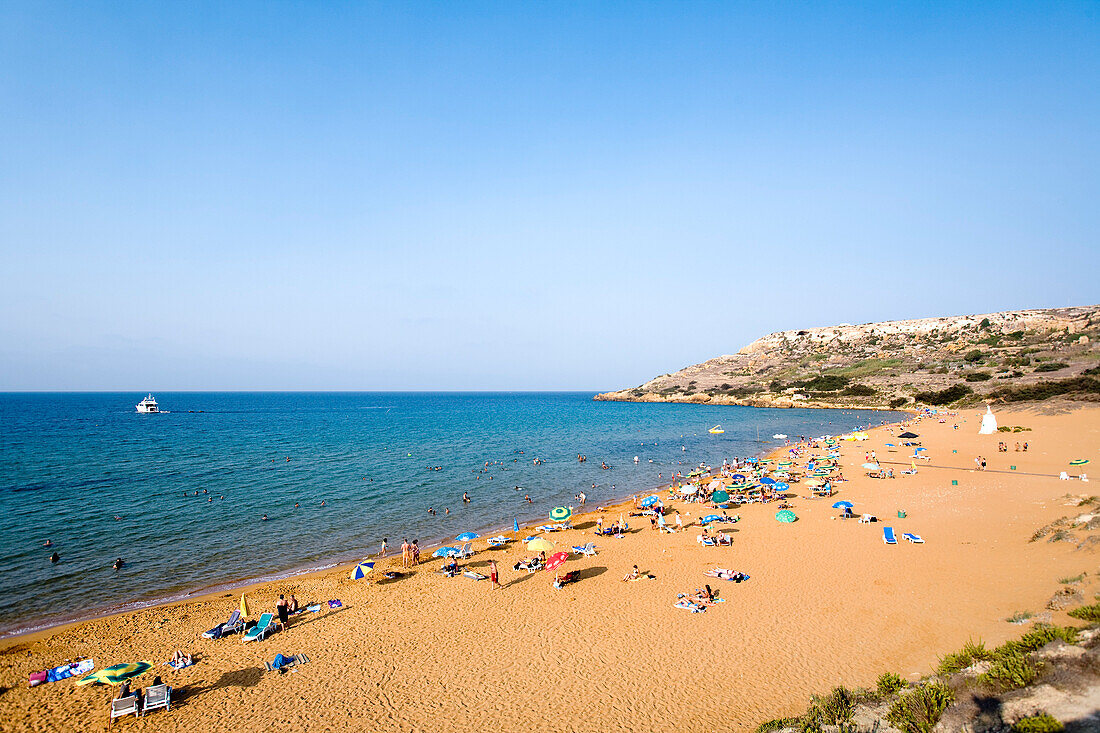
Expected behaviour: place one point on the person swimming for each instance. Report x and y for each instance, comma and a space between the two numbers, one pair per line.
55, 558
118, 564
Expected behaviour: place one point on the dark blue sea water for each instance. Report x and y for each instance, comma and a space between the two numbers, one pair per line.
102, 481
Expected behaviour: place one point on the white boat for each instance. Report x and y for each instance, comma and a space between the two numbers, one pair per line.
148, 405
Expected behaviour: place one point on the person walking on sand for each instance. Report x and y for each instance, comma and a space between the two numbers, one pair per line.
679, 522
494, 577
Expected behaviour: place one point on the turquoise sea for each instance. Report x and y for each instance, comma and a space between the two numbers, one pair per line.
101, 481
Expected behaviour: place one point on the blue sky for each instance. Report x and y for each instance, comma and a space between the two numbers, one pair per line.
523, 195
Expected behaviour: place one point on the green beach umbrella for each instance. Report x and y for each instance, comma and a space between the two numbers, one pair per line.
785, 516
560, 513
719, 496
116, 674
1079, 462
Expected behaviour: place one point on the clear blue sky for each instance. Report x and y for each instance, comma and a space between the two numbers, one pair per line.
524, 195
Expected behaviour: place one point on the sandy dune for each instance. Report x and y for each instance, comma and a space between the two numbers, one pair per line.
827, 603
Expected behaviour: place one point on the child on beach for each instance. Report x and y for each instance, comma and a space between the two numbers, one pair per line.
385, 540
493, 576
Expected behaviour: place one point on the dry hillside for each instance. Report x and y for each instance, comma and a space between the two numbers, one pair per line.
958, 360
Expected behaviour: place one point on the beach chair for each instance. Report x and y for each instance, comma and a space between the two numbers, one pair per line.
125, 706
706, 541
157, 696
234, 624
289, 662
261, 629
589, 549
466, 551
888, 537
497, 541
914, 538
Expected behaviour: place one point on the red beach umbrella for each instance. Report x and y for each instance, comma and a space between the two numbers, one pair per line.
556, 559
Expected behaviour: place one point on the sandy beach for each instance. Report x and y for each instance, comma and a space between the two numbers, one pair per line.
827, 603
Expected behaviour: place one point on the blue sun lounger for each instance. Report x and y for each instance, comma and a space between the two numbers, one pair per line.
914, 538
260, 630
888, 537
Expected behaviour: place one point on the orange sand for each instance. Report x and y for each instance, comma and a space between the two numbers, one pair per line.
827, 603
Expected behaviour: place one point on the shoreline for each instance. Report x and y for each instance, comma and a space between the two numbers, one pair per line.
205, 593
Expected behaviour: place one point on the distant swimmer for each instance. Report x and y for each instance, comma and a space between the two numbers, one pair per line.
48, 543
447, 510
55, 558
118, 564
264, 518
527, 497
295, 505
322, 502
288, 459
465, 498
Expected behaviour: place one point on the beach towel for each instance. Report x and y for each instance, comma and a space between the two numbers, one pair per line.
283, 662
474, 576
61, 672
314, 608
335, 603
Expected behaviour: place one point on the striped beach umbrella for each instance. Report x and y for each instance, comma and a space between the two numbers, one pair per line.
116, 674
1079, 461
362, 570
560, 513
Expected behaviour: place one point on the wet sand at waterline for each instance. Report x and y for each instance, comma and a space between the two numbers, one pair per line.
827, 603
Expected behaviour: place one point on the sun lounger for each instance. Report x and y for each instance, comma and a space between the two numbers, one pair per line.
233, 625
466, 551
125, 706
589, 549
157, 696
866, 519
707, 541
914, 538
497, 541
289, 662
261, 629
888, 537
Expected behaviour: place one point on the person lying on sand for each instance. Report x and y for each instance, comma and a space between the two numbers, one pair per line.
632, 575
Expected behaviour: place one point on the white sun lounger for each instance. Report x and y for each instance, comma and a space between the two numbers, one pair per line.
914, 538
157, 696
589, 549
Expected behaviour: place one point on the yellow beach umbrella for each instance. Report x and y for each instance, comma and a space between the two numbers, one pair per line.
244, 607
116, 674
540, 544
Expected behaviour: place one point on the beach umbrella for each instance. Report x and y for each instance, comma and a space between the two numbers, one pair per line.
739, 478
908, 434
649, 501
540, 544
467, 536
689, 489
767, 480
843, 505
560, 513
556, 559
1079, 461
871, 466
446, 552
362, 570
711, 518
244, 607
785, 516
116, 674
781, 487
891, 445
515, 526
813, 482
719, 497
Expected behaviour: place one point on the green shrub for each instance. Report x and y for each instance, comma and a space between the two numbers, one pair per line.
1041, 723
944, 396
1051, 366
974, 355
833, 709
889, 683
1046, 390
1011, 668
984, 324
899, 401
1019, 617
958, 661
1015, 335
860, 390
919, 710
978, 377
1094, 371
778, 724
823, 383
1071, 579
1040, 636
1087, 613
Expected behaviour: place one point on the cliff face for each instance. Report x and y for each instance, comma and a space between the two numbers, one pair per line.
955, 359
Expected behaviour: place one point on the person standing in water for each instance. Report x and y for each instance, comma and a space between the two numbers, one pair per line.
384, 541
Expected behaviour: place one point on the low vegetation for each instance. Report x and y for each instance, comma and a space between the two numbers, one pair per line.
1046, 390
943, 396
1087, 613
1041, 723
918, 710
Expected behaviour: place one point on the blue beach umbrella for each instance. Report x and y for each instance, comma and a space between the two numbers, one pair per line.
782, 486
649, 501
362, 570
767, 480
891, 445
843, 505
739, 478
711, 518
467, 536
515, 525
445, 552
